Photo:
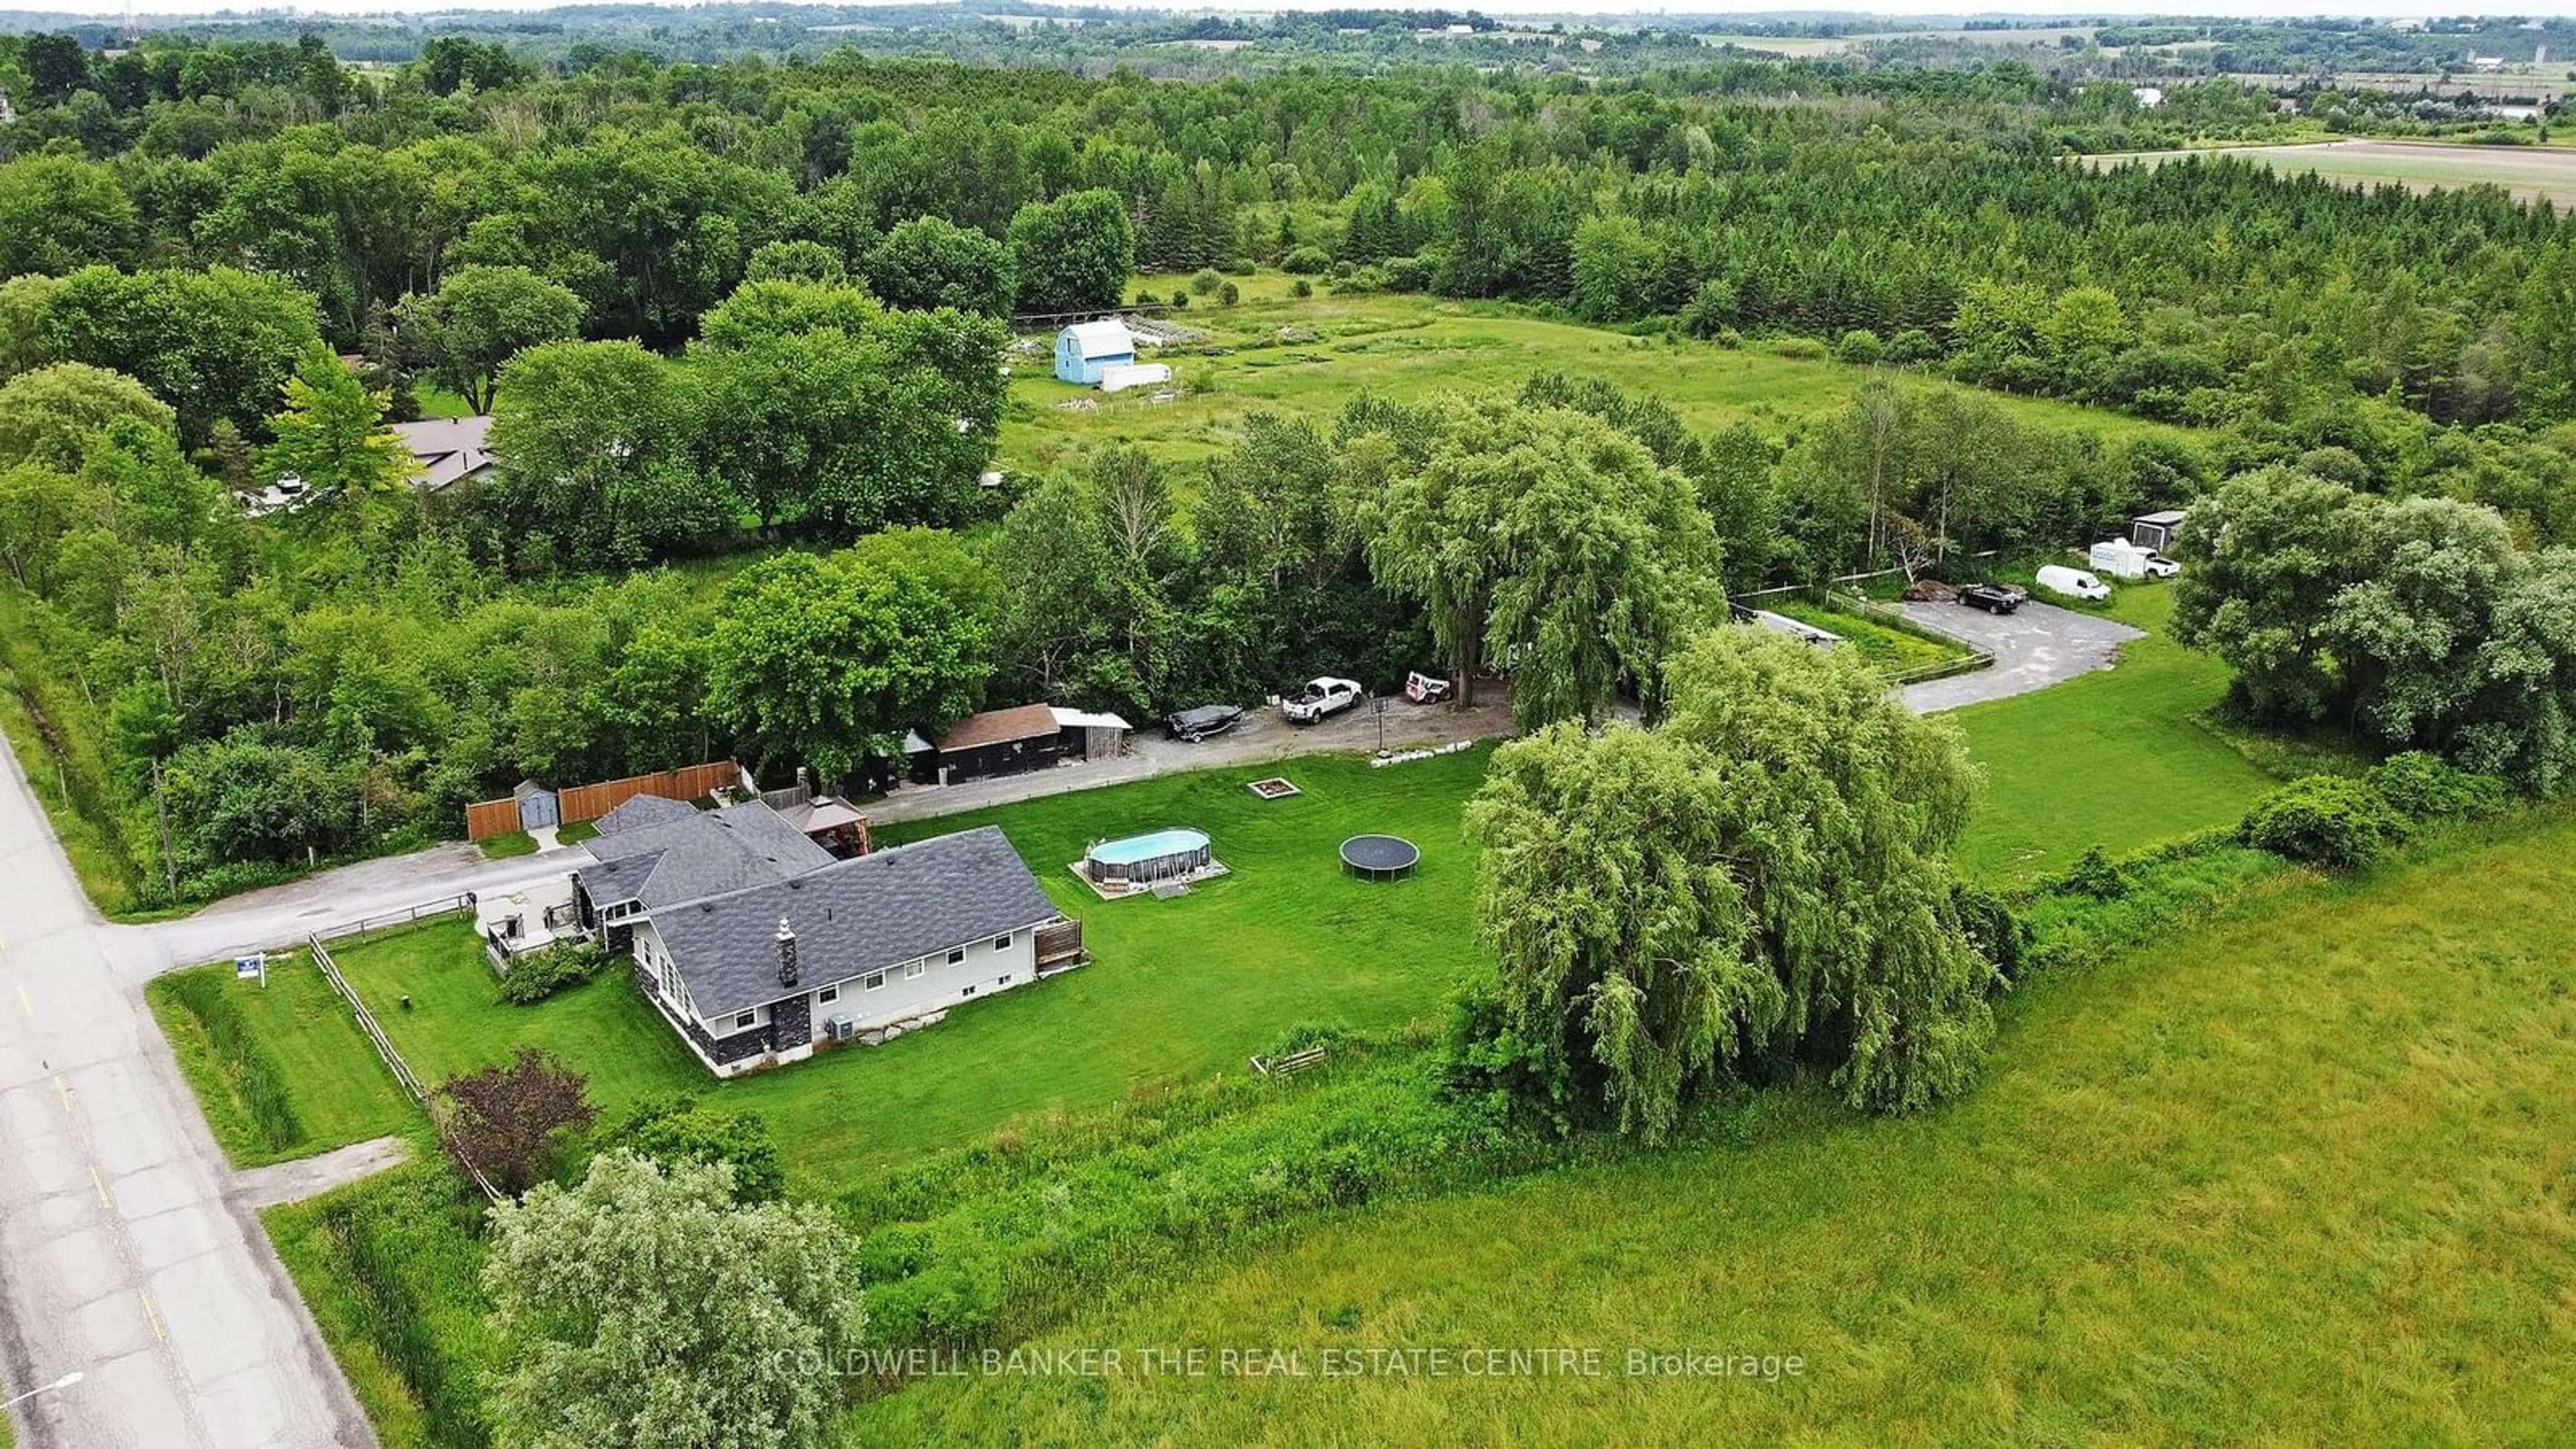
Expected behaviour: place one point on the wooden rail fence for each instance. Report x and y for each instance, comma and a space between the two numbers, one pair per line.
393, 1057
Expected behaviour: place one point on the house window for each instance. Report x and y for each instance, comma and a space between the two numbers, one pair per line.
874, 980
743, 1019
827, 995
1005, 981
1001, 943
957, 955
969, 991
913, 969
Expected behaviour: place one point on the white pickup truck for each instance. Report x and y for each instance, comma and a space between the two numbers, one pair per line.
1322, 697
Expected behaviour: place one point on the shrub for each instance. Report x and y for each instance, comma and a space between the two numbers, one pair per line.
2419, 786
1803, 349
1859, 345
534, 977
2094, 874
1205, 280
1407, 274
1301, 288
673, 1130
2329, 820
509, 1121
1227, 294
1913, 345
1181, 299
1988, 920
1305, 261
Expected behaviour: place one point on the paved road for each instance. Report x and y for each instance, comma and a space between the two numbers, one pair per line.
2035, 647
282, 915
122, 1255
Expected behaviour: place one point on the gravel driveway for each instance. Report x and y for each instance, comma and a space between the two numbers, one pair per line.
2036, 647
1262, 736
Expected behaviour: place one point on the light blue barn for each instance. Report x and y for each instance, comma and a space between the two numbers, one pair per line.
1087, 349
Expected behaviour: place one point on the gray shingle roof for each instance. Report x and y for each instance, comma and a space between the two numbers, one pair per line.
639, 811
704, 853
851, 917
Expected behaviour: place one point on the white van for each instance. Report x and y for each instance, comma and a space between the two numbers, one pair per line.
2059, 579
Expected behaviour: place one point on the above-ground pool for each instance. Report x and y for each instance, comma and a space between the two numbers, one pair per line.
1141, 859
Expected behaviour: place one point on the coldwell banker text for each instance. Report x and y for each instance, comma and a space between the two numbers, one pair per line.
1339, 1362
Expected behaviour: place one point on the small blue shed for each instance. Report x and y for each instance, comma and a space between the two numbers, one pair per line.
1087, 349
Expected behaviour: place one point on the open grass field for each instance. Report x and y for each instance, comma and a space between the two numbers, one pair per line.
1178, 990
2121, 759
2530, 173
305, 1037
2296, 1176
1407, 347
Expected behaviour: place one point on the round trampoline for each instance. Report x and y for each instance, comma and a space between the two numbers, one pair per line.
1380, 857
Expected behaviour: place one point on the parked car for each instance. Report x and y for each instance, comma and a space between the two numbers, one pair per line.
1323, 697
1193, 725
1994, 598
2161, 567
2076, 583
1424, 688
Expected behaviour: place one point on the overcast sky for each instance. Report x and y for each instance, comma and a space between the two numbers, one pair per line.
2383, 8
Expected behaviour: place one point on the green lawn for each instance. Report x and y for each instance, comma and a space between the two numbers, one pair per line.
2122, 759
1405, 347
341, 1092
1178, 990
2297, 1176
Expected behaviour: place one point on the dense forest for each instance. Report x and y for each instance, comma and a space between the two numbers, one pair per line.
738, 324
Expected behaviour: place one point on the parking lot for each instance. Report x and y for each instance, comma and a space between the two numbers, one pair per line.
2033, 647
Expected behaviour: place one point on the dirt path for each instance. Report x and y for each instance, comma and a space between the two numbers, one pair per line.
284, 1182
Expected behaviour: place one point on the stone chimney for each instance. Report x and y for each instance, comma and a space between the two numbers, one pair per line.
786, 953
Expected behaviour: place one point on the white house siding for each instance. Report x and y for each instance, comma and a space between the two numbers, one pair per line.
938, 987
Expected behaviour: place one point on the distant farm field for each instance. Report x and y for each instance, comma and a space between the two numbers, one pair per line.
2530, 173
1308, 357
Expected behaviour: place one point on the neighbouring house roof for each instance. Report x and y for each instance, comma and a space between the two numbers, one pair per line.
999, 726
914, 744
851, 917
2168, 517
1075, 719
640, 811
1102, 339
707, 853
444, 450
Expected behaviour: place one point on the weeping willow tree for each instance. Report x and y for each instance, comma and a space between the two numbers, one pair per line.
1762, 877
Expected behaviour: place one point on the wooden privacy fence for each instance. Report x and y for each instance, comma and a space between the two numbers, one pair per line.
488, 818
578, 803
589, 802
393, 1058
